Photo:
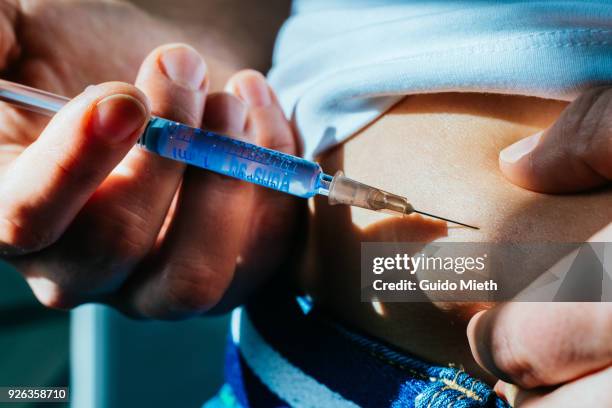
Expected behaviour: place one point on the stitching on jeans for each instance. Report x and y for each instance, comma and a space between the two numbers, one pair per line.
449, 383
467, 392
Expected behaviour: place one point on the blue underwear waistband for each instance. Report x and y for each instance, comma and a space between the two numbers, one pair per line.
287, 354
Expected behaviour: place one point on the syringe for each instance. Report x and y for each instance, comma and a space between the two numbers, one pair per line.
245, 161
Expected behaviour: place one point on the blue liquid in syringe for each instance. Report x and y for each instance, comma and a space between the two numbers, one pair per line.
234, 158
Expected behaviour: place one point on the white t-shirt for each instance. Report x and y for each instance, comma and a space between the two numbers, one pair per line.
339, 64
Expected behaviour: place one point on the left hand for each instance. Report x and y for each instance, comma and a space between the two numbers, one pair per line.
554, 354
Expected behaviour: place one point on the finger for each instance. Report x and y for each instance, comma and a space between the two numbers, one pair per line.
273, 214
45, 187
515, 395
542, 344
266, 120
197, 258
575, 154
121, 221
590, 391
225, 114
174, 79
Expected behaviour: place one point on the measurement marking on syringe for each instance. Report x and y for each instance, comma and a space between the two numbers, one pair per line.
162, 136
258, 155
236, 148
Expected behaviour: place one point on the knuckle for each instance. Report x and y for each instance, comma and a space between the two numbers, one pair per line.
181, 108
51, 294
278, 138
220, 185
24, 238
126, 234
592, 142
195, 291
133, 244
512, 360
60, 280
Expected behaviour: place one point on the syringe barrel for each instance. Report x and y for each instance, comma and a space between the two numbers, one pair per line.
231, 157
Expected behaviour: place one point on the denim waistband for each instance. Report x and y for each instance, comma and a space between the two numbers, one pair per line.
291, 355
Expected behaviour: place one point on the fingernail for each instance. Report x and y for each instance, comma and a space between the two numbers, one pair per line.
474, 338
117, 117
254, 90
516, 151
184, 66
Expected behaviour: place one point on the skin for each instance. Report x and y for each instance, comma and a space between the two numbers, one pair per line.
245, 29
60, 61
457, 139
78, 220
76, 215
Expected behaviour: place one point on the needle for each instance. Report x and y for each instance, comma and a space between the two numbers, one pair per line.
445, 219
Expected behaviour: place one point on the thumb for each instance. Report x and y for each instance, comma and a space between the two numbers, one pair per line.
575, 154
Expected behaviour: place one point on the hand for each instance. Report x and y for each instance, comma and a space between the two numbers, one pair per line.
575, 154
85, 216
554, 354
63, 46
547, 354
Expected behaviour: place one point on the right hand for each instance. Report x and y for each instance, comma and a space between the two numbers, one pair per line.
86, 216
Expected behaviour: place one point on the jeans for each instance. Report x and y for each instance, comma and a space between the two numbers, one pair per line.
282, 353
